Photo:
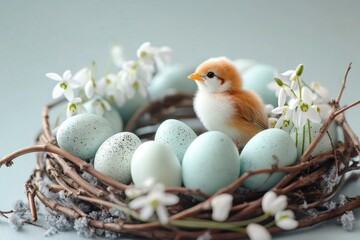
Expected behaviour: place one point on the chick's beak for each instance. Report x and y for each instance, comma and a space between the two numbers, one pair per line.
195, 76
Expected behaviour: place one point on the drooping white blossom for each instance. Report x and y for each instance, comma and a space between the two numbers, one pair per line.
155, 202
286, 220
272, 203
73, 107
65, 86
221, 206
257, 232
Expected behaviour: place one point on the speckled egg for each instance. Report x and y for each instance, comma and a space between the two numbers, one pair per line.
131, 106
325, 144
211, 162
267, 148
83, 134
176, 135
112, 115
172, 78
155, 160
113, 158
257, 79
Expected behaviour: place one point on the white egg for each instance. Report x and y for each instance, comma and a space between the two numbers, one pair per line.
113, 157
155, 160
176, 135
83, 134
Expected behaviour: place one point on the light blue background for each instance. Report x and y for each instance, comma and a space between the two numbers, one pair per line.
38, 36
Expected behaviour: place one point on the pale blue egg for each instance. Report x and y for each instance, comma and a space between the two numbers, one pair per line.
210, 163
131, 106
155, 160
83, 134
267, 148
113, 158
326, 143
171, 79
257, 79
111, 115
176, 135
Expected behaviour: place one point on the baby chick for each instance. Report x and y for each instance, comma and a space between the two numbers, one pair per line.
223, 105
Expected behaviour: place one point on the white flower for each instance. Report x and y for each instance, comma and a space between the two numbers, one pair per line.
322, 94
136, 191
117, 54
305, 110
257, 232
65, 86
134, 77
285, 118
271, 203
151, 55
73, 107
286, 220
221, 206
85, 78
155, 201
100, 105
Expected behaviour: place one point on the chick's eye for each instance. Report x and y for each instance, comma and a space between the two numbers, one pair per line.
210, 74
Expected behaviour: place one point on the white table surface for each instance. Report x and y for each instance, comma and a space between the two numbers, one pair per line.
38, 36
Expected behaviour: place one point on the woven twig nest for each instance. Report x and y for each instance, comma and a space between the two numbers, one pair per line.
302, 183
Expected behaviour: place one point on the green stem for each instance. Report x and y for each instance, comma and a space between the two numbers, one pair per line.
309, 131
299, 86
303, 140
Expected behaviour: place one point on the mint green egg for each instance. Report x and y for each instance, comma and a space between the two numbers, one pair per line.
327, 142
257, 79
268, 148
210, 163
176, 135
111, 115
171, 79
83, 134
131, 106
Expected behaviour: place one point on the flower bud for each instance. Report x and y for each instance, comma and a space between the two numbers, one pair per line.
278, 81
299, 70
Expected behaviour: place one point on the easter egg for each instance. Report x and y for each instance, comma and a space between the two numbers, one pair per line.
155, 160
111, 115
113, 158
267, 148
257, 79
83, 134
242, 65
171, 79
327, 142
131, 106
210, 163
176, 135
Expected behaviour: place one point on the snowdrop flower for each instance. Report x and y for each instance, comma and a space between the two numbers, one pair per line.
221, 206
286, 220
65, 86
117, 55
100, 105
305, 110
286, 116
134, 77
74, 107
322, 94
136, 191
85, 77
155, 201
151, 55
271, 203
257, 232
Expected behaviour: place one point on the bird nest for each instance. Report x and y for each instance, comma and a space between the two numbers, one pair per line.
303, 182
